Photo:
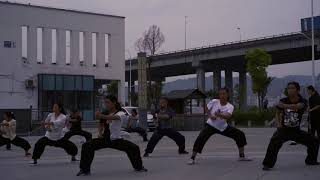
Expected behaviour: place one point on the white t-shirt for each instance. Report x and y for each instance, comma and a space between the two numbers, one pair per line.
115, 126
56, 131
215, 106
9, 132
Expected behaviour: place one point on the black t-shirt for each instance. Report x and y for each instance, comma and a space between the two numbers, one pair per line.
77, 124
291, 118
165, 123
313, 102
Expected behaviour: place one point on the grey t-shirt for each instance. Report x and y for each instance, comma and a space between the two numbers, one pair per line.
164, 123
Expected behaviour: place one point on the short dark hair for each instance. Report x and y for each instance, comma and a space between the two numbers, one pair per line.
134, 111
9, 115
164, 98
295, 84
114, 100
311, 88
224, 89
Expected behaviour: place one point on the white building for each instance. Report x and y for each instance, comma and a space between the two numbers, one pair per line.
50, 55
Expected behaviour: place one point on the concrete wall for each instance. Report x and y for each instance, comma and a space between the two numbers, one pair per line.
13, 71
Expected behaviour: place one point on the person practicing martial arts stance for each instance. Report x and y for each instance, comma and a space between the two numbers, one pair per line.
75, 127
164, 115
132, 125
289, 115
54, 124
314, 111
110, 138
219, 112
8, 133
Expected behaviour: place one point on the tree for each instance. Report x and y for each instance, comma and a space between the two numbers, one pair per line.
211, 94
236, 95
156, 91
257, 61
113, 88
151, 40
150, 43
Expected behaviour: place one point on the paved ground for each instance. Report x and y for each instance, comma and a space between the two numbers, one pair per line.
219, 161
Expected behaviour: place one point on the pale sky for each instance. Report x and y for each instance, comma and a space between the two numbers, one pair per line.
209, 21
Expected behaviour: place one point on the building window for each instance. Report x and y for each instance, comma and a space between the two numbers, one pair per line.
107, 49
39, 45
68, 46
81, 48
54, 46
24, 44
94, 49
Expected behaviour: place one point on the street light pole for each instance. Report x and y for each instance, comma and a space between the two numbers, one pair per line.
239, 33
130, 76
185, 32
312, 44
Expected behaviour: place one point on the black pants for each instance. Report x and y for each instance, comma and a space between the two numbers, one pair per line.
231, 132
171, 133
142, 132
79, 132
39, 147
89, 148
8, 145
283, 135
17, 141
315, 126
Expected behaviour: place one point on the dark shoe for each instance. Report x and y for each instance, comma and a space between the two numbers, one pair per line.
33, 162
28, 154
315, 163
141, 170
74, 159
146, 155
266, 168
183, 152
83, 173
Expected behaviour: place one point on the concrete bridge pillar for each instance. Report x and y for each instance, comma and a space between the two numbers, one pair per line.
216, 80
142, 90
201, 78
229, 82
243, 90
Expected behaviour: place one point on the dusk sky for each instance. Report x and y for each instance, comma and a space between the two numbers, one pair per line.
209, 21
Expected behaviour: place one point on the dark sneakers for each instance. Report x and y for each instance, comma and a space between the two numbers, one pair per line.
83, 173
266, 168
74, 159
315, 163
141, 170
183, 152
146, 155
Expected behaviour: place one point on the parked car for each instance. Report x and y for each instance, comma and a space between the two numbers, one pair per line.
150, 118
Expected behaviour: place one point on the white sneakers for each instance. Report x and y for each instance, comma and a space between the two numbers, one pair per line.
191, 162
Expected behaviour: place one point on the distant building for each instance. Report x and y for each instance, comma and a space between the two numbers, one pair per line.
52, 55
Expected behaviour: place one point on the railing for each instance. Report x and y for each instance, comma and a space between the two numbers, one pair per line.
229, 43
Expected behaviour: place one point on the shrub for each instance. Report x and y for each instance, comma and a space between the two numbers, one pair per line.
256, 117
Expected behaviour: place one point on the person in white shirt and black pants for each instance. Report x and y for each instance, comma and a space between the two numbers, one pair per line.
111, 139
54, 123
8, 133
219, 112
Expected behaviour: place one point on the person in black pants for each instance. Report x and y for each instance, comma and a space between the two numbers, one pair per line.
289, 115
76, 129
219, 112
54, 124
8, 133
110, 138
133, 126
164, 116
314, 111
